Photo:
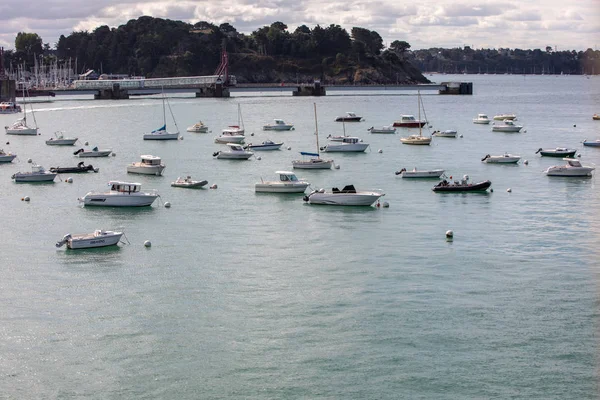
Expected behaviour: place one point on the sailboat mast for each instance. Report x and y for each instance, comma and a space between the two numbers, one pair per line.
316, 128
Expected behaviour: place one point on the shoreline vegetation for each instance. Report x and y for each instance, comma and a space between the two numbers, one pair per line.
154, 48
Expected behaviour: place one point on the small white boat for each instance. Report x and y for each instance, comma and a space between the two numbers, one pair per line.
99, 238
382, 129
592, 143
188, 182
198, 127
266, 145
121, 194
481, 119
95, 152
20, 127
230, 136
502, 117
349, 117
60, 140
503, 159
287, 183
37, 174
347, 144
278, 125
572, 168
348, 196
149, 165
431, 173
235, 152
6, 157
506, 126
449, 133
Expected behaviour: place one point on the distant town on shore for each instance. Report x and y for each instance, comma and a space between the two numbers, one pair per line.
154, 47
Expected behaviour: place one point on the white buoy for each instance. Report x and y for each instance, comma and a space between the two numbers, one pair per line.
29, 160
526, 162
449, 235
69, 180
147, 243
26, 198
337, 166
86, 143
380, 151
509, 190
214, 186
386, 204
167, 205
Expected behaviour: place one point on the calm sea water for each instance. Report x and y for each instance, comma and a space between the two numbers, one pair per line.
262, 296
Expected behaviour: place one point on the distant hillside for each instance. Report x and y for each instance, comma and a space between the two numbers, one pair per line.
155, 47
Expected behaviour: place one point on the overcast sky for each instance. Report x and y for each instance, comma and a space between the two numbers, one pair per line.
525, 24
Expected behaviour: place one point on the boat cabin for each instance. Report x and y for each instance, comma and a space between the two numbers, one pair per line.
124, 187
287, 176
150, 160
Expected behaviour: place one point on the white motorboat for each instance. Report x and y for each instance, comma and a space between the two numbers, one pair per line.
481, 119
502, 117
121, 194
449, 133
6, 157
349, 117
99, 238
149, 165
572, 168
347, 144
20, 127
95, 152
188, 182
162, 133
348, 196
382, 129
431, 173
37, 174
506, 126
409, 121
198, 127
266, 145
503, 159
287, 183
61, 140
9, 107
235, 152
230, 136
314, 160
278, 125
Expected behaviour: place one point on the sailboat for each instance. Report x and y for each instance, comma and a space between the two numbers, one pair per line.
315, 161
162, 133
417, 139
19, 127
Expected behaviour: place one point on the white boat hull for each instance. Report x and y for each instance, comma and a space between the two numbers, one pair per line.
569, 171
61, 142
146, 170
344, 199
346, 147
312, 164
161, 136
138, 199
29, 177
280, 187
434, 173
23, 132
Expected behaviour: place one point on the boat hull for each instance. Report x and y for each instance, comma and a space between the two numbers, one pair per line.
475, 187
352, 147
119, 200
146, 170
344, 199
